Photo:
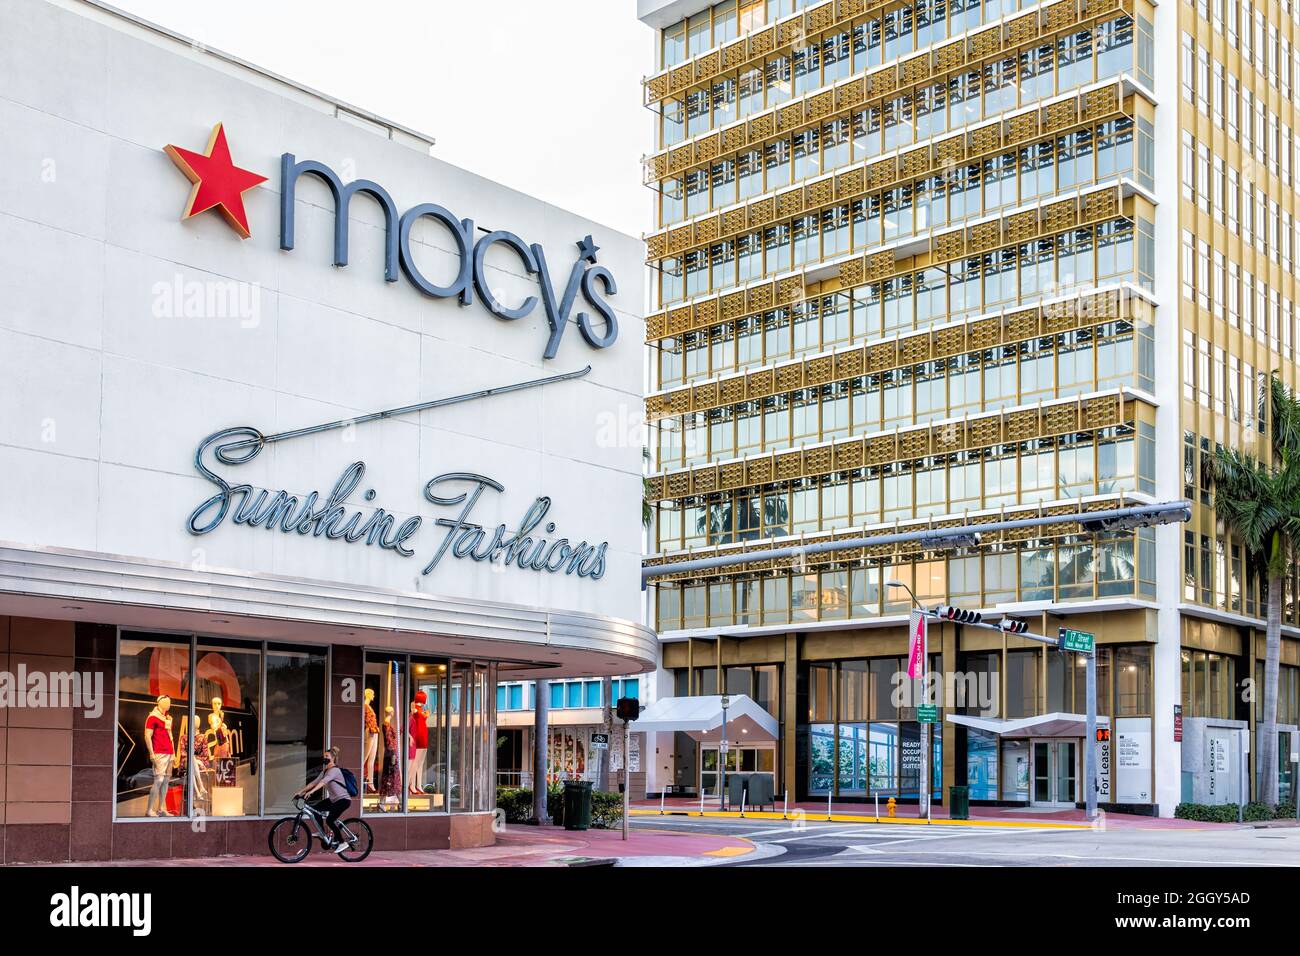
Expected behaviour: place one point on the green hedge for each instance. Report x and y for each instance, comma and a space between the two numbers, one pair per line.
1227, 812
517, 802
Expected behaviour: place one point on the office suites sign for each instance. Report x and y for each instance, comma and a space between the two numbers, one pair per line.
529, 543
218, 184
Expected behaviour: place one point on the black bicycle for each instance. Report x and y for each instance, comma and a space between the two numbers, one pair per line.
291, 837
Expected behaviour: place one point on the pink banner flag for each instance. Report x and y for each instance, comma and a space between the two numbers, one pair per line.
916, 625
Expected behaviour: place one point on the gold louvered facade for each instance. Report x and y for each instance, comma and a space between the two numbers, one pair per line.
907, 285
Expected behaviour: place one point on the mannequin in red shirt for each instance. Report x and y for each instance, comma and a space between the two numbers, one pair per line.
418, 740
158, 741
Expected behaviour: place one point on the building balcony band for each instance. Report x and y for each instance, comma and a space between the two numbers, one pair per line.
882, 85
780, 40
1055, 216
892, 213
1061, 416
1124, 302
1044, 119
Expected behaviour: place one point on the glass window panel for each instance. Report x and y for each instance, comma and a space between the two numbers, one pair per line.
151, 732
227, 710
295, 722
386, 678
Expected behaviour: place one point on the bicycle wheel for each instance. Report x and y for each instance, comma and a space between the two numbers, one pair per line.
289, 840
365, 840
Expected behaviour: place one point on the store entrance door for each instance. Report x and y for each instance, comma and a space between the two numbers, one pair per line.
1055, 773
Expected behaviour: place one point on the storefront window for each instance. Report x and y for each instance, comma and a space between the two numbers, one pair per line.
820, 701
427, 728
767, 688
1015, 770
385, 687
245, 727
883, 758
821, 758
1133, 681
853, 758
853, 690
153, 720
883, 706
982, 764
1022, 683
295, 722
227, 688
471, 750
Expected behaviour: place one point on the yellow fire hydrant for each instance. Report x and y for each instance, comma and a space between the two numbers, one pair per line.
891, 805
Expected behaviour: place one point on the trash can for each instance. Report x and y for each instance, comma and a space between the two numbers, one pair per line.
577, 804
736, 784
760, 790
959, 803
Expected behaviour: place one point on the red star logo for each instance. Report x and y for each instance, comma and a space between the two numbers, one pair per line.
218, 182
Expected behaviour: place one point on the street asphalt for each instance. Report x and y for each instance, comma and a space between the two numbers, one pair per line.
778, 843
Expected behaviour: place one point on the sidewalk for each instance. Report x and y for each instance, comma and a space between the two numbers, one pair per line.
518, 846
1065, 819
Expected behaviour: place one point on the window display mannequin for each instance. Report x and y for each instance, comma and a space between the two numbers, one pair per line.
390, 780
372, 740
218, 736
417, 733
202, 764
158, 739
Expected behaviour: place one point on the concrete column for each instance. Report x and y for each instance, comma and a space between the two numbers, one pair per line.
948, 665
789, 715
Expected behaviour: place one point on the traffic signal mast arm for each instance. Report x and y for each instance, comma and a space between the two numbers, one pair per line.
1008, 625
1067, 640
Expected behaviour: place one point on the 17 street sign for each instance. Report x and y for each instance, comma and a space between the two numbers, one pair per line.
1078, 641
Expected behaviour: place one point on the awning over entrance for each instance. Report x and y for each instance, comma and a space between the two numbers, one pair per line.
1044, 725
701, 718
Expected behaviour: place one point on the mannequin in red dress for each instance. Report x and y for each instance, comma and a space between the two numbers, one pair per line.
418, 740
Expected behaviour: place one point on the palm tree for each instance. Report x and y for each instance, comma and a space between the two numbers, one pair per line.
1260, 503
647, 504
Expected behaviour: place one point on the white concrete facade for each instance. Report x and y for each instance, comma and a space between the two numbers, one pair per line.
128, 335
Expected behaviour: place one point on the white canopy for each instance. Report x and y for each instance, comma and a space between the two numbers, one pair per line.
701, 718
1044, 725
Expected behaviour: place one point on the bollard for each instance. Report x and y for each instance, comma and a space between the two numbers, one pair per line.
701, 801
663, 793
877, 807
828, 806
785, 804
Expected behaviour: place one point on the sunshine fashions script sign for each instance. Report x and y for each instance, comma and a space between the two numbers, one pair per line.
327, 515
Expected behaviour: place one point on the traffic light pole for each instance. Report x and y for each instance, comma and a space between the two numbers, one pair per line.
1090, 741
1090, 694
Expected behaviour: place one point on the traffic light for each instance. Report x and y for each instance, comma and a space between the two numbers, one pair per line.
1012, 626
628, 708
961, 616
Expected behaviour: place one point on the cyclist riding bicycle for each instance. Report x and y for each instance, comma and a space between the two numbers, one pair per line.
336, 797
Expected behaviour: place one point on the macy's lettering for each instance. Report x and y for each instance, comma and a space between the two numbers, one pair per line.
470, 274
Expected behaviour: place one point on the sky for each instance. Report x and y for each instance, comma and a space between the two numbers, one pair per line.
543, 96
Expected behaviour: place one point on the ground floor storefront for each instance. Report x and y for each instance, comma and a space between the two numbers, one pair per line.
235, 728
1172, 727
580, 746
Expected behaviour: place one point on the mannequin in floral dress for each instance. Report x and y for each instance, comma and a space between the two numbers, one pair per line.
390, 780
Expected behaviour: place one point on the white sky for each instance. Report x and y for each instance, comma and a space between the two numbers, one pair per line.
540, 95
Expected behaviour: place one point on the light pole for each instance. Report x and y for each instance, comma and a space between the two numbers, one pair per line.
923, 785
722, 755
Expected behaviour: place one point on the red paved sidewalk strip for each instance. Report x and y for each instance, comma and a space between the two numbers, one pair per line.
516, 846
